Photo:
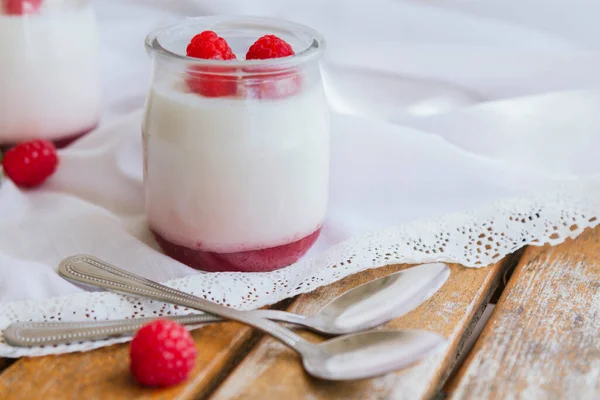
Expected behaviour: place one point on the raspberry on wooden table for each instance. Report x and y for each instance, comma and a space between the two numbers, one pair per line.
162, 353
210, 46
21, 7
29, 164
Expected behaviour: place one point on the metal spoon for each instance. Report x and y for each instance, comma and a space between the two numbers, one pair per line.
364, 307
356, 356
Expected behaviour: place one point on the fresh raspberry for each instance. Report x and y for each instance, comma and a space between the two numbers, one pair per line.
29, 164
209, 46
162, 353
20, 7
204, 80
277, 85
269, 46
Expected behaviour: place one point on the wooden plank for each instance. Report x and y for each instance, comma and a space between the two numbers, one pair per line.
271, 371
104, 373
3, 363
542, 341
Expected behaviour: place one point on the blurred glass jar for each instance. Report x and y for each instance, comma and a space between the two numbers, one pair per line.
49, 70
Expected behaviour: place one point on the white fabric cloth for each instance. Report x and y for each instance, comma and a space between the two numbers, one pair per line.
451, 120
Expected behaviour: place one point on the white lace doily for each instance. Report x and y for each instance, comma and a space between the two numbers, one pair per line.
475, 239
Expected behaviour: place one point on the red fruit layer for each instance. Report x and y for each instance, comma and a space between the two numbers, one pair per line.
262, 260
58, 143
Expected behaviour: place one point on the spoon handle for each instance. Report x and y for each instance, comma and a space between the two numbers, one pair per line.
24, 334
92, 271
288, 318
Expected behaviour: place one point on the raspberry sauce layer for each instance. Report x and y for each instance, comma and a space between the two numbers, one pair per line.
67, 140
262, 260
60, 143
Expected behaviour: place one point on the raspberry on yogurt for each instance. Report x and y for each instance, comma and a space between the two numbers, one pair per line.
274, 84
210, 81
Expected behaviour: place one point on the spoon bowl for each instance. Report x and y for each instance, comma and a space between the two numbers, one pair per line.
374, 303
367, 354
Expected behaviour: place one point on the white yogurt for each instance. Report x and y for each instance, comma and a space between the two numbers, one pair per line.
49, 73
229, 175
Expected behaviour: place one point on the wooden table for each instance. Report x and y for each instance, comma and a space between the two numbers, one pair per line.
542, 341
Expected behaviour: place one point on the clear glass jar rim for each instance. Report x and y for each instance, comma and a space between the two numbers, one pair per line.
313, 51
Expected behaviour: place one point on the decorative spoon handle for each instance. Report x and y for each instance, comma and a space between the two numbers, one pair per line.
24, 334
92, 271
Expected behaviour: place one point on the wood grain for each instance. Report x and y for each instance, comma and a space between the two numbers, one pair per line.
104, 373
271, 371
543, 340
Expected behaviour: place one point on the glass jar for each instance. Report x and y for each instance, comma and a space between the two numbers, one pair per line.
236, 153
49, 71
